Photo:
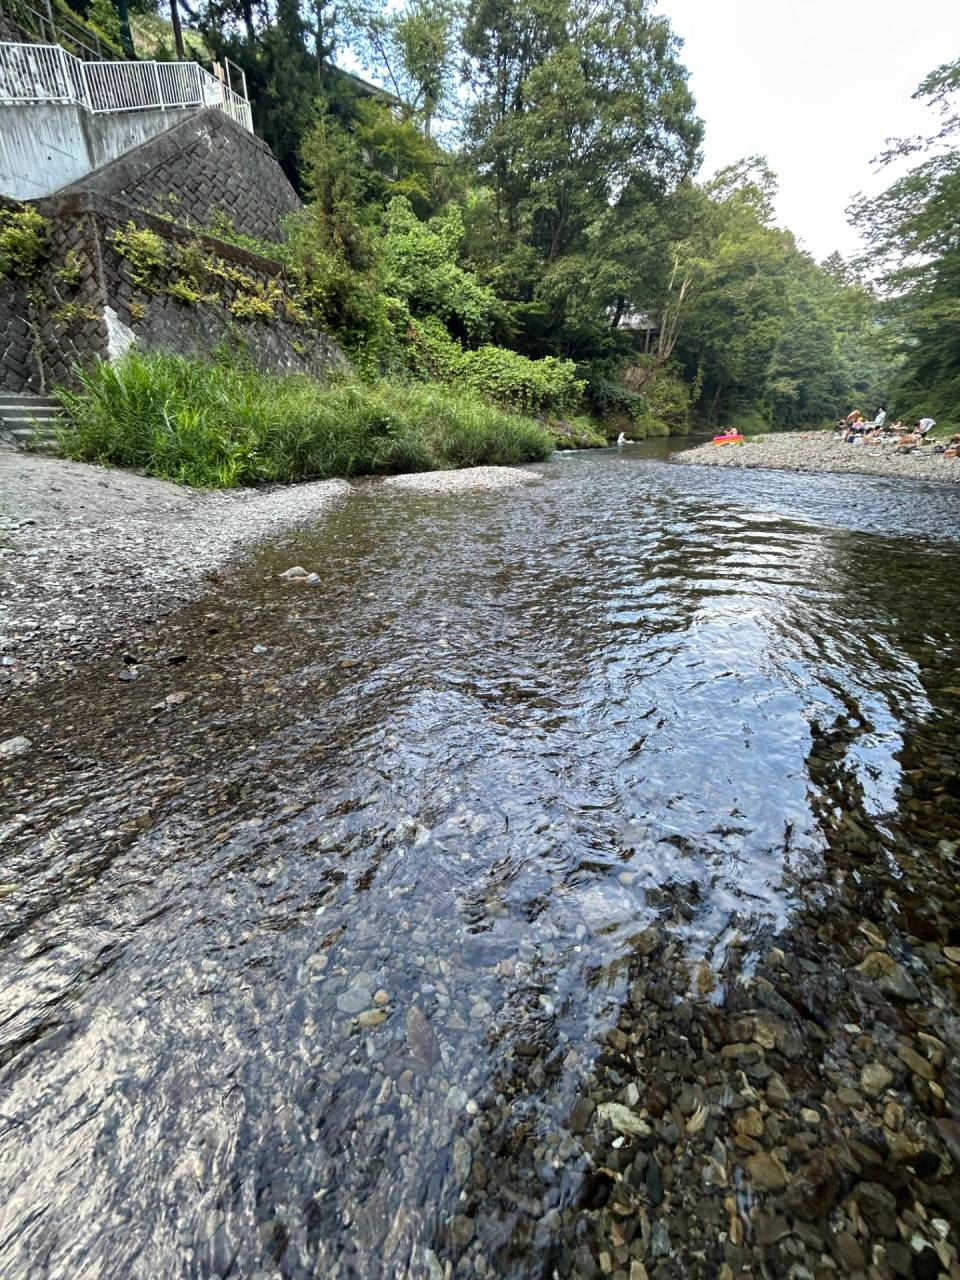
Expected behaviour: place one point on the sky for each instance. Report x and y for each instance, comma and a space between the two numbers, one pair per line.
817, 86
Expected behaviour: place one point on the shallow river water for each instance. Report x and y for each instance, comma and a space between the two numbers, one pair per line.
304, 974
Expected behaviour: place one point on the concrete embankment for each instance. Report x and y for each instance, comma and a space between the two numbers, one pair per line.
822, 451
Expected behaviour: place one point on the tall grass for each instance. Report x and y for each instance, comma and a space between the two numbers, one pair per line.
217, 426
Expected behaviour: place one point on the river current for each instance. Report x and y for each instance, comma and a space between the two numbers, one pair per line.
275, 955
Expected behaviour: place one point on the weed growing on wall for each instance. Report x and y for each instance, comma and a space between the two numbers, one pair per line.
70, 270
144, 252
23, 241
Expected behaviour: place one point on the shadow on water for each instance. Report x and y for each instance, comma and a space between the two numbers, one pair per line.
303, 974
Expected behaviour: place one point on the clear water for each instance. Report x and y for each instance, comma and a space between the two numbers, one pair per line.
510, 731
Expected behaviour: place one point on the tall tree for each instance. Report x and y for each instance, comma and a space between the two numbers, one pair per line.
913, 237
578, 108
412, 51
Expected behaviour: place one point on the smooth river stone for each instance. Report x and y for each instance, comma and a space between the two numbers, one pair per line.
354, 1000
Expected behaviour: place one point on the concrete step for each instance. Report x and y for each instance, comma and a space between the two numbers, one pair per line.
35, 441
15, 399
29, 422
30, 415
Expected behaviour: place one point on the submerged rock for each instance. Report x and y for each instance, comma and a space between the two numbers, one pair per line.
354, 1000
623, 1119
421, 1038
814, 1189
899, 985
766, 1172
874, 1078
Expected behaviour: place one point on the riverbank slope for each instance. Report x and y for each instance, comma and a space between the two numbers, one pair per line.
822, 451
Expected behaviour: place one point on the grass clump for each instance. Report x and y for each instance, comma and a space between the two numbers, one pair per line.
219, 426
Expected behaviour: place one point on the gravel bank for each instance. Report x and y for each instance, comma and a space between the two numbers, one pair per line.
457, 481
85, 551
821, 451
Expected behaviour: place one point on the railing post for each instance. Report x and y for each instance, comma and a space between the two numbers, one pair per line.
87, 96
156, 76
65, 79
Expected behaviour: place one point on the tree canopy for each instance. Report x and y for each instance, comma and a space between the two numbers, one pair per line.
913, 237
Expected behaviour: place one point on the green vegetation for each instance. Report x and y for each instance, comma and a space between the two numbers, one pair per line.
220, 426
567, 226
23, 241
517, 214
913, 233
145, 254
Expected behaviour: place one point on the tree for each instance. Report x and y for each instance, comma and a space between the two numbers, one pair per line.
764, 333
580, 115
411, 50
913, 238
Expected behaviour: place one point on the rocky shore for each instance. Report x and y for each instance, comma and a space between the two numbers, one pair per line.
87, 553
822, 451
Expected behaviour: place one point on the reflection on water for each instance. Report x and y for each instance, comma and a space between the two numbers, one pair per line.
267, 958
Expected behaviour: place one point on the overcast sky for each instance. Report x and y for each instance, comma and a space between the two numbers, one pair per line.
816, 86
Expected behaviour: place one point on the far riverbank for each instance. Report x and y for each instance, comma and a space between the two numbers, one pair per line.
821, 451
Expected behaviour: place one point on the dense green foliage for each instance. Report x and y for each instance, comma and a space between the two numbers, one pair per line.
220, 426
913, 231
520, 185
23, 241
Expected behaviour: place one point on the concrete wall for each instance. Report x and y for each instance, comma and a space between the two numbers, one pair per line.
48, 145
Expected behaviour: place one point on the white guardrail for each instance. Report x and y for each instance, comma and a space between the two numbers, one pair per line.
47, 73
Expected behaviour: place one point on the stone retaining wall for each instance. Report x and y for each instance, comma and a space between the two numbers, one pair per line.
204, 166
58, 321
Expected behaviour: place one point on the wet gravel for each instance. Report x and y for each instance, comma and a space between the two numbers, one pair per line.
90, 555
566, 887
822, 451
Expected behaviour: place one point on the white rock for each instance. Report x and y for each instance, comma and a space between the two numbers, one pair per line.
623, 1119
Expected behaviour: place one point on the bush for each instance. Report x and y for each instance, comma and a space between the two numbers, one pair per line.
528, 386
23, 241
610, 399
575, 433
751, 422
422, 269
668, 401
217, 426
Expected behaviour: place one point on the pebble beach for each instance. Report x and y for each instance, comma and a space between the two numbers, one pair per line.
822, 451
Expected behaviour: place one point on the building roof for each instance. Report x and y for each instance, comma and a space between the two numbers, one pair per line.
366, 87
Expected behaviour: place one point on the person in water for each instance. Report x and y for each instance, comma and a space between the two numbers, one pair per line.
622, 439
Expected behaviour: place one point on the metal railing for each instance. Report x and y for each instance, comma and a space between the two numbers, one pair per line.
47, 73
57, 29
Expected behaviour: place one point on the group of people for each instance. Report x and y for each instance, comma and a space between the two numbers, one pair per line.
854, 429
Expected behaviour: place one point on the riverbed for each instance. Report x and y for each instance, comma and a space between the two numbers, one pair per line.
565, 885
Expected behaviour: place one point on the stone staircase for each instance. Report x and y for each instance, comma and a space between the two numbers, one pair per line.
28, 421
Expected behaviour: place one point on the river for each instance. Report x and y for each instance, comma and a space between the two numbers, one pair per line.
315, 969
